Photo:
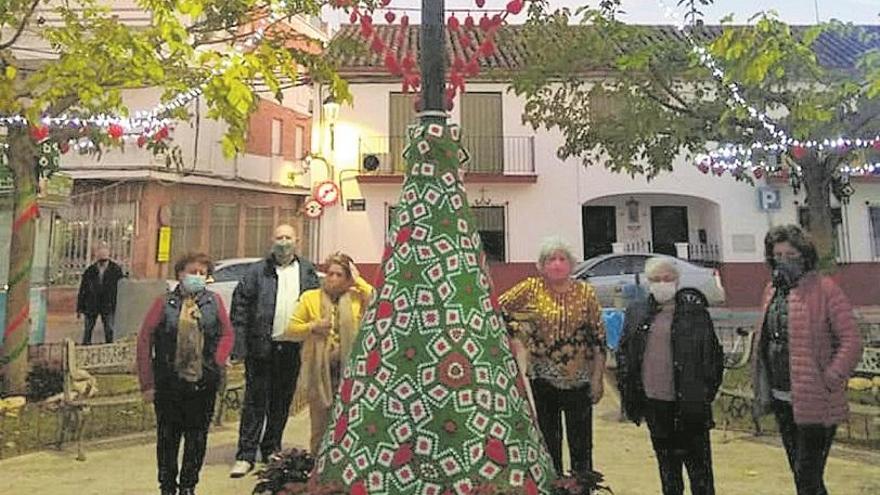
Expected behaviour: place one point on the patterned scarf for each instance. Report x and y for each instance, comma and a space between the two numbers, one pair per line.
320, 353
190, 342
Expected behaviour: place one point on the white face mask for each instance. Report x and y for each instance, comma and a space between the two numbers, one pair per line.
663, 292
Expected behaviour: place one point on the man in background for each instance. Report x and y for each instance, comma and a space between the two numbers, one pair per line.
97, 294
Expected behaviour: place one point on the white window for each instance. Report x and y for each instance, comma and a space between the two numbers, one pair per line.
277, 127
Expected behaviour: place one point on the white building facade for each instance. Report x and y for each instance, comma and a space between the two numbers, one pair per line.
522, 192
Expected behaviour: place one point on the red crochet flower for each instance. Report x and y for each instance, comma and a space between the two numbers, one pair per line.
455, 371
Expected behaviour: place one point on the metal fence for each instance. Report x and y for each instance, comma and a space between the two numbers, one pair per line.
500, 155
99, 214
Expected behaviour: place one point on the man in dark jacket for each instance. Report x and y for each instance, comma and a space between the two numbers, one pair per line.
262, 305
671, 366
97, 294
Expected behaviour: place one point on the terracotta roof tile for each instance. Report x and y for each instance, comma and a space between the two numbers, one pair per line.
834, 50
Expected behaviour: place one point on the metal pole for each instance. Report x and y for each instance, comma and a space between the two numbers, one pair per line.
433, 53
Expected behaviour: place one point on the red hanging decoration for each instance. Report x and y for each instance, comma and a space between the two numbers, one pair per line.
39, 133
487, 48
389, 17
472, 69
758, 173
798, 152
514, 7
64, 147
703, 167
377, 45
353, 17
481, 3
876, 144
392, 65
404, 20
485, 23
161, 134
385, 3
115, 131
497, 21
408, 63
453, 23
469, 22
142, 140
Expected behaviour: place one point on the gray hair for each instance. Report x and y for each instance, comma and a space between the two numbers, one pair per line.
659, 264
552, 245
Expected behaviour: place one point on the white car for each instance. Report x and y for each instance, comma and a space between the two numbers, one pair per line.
611, 273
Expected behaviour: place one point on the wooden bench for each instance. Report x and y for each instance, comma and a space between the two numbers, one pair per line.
79, 394
230, 396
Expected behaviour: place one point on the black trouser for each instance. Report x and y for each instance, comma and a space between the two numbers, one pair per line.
269, 387
807, 449
106, 322
185, 415
576, 403
678, 446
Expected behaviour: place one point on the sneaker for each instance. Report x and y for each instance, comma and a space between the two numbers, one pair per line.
241, 468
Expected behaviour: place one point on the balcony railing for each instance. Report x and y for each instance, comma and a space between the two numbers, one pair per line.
699, 253
494, 155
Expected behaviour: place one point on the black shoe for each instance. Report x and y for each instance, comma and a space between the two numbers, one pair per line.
187, 491
169, 492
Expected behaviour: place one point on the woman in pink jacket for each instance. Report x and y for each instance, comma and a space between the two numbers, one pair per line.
806, 346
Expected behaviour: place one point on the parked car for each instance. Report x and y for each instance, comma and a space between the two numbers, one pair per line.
611, 273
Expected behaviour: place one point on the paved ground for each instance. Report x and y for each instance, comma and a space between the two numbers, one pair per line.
744, 466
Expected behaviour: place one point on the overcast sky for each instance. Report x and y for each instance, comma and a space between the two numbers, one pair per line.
648, 11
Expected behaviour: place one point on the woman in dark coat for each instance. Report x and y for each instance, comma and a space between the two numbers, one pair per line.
806, 346
183, 345
671, 366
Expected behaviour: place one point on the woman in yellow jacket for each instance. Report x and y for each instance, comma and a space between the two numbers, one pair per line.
326, 321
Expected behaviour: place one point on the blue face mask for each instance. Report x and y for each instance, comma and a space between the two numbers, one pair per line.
192, 284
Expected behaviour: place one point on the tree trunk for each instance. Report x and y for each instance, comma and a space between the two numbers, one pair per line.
22, 161
817, 186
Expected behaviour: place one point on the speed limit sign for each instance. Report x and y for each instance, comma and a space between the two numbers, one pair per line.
313, 209
327, 193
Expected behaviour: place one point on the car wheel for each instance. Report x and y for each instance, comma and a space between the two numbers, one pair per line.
692, 296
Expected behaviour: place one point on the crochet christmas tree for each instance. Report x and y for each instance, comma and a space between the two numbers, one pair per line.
431, 402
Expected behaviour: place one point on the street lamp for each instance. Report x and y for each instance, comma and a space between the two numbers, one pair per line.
331, 113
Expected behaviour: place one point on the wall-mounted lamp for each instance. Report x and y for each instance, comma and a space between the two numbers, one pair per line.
331, 113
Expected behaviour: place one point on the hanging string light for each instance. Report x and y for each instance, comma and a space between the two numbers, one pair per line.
738, 159
147, 124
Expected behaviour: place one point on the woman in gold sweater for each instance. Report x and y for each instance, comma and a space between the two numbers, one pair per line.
566, 350
326, 321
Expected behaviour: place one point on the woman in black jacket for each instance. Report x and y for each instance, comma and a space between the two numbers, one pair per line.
671, 366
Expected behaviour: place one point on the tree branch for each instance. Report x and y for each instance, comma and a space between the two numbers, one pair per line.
24, 22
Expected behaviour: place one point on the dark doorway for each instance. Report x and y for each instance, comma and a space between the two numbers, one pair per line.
669, 224
600, 229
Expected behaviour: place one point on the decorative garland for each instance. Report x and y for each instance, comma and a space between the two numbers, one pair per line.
404, 66
741, 159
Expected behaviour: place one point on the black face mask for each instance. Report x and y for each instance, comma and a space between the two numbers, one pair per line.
787, 273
